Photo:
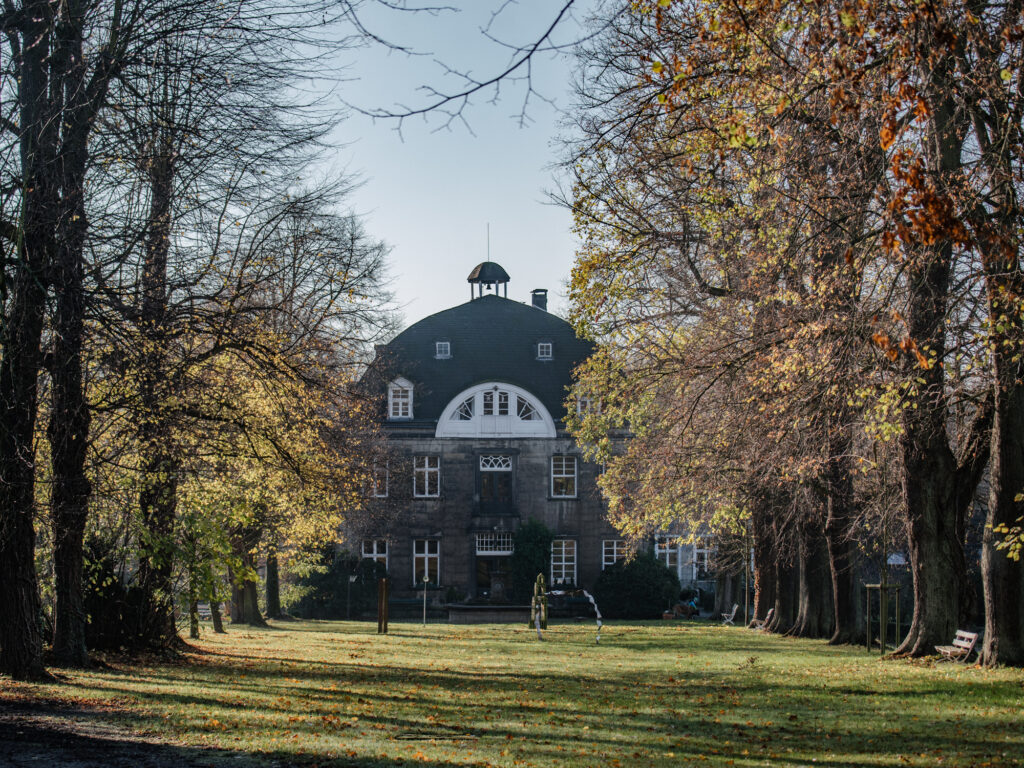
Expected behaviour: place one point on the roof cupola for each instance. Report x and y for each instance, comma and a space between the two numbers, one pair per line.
490, 274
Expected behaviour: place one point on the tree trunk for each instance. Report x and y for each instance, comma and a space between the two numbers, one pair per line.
764, 565
928, 467
81, 98
785, 598
1003, 578
841, 550
237, 608
273, 585
193, 618
158, 495
250, 597
814, 604
20, 638
218, 621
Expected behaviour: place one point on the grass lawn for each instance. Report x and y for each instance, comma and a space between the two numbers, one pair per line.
666, 693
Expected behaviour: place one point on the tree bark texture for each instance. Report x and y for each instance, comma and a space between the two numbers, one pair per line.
218, 620
814, 603
838, 540
158, 495
786, 587
1003, 578
928, 480
273, 585
68, 430
20, 637
764, 565
237, 606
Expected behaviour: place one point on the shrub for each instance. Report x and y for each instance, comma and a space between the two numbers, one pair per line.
639, 589
532, 555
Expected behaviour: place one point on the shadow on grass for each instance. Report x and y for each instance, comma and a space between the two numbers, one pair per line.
638, 700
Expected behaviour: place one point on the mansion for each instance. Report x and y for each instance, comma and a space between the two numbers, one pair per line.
474, 402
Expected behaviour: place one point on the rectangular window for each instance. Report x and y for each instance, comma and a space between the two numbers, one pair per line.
400, 402
376, 550
563, 562
702, 550
544, 350
380, 481
442, 349
563, 477
426, 476
488, 403
494, 544
612, 550
666, 549
426, 562
503, 403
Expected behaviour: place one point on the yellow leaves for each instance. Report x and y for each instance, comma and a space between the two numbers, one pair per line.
657, 67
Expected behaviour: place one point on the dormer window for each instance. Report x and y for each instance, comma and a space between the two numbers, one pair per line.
400, 399
442, 350
544, 350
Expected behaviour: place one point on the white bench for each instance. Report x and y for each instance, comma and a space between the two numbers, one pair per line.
963, 645
762, 624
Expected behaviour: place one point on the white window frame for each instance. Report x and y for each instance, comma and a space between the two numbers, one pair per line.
442, 350
400, 399
425, 468
495, 463
668, 550
612, 551
426, 556
545, 350
466, 410
499, 543
702, 553
559, 472
563, 562
377, 492
377, 550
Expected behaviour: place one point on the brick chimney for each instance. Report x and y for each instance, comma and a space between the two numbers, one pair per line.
540, 298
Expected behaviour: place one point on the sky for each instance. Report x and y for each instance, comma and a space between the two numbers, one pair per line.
430, 190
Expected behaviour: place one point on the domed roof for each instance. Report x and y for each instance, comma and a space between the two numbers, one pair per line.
490, 339
488, 272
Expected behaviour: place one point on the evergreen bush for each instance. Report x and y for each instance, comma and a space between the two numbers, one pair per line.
639, 589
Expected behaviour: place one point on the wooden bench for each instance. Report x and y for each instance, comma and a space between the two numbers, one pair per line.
963, 645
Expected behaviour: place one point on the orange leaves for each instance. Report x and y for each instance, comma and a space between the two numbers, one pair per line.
906, 345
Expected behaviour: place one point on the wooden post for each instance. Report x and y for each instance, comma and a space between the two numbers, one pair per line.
382, 607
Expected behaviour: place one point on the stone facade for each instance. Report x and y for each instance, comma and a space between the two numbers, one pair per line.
459, 513
473, 401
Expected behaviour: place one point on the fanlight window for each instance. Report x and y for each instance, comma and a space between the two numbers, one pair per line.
526, 411
502, 398
495, 409
465, 411
495, 463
